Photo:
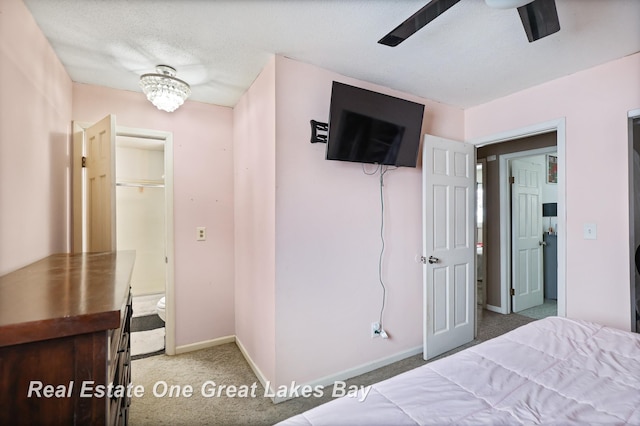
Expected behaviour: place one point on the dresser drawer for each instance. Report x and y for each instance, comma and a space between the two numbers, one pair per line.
119, 342
120, 367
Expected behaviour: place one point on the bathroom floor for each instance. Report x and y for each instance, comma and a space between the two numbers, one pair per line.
147, 329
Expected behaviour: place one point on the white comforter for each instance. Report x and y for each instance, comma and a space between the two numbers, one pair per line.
552, 371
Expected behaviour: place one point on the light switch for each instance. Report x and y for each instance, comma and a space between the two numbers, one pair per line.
590, 231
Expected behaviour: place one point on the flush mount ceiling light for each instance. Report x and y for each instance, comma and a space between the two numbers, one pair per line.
163, 89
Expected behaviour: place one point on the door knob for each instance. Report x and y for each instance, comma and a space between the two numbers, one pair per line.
433, 260
542, 243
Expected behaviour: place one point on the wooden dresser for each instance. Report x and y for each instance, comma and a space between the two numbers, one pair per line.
64, 340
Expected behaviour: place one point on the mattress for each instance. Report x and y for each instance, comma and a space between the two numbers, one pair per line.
551, 371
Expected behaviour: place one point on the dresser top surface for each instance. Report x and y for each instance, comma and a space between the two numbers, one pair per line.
63, 294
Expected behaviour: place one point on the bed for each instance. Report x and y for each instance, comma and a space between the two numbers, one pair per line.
551, 371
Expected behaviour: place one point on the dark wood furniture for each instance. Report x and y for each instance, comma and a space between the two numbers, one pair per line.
64, 340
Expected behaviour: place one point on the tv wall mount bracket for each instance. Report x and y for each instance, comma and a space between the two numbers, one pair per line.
319, 131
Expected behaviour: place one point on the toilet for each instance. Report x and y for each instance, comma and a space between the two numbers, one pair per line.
160, 308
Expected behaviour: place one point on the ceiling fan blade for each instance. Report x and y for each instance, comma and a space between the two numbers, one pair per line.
539, 19
428, 13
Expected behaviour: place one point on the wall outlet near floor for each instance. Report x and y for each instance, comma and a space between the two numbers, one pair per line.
375, 329
201, 233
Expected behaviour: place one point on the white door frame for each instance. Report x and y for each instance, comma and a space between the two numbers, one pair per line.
483, 266
167, 137
559, 126
631, 115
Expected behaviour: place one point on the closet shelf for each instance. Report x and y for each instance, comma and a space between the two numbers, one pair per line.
141, 183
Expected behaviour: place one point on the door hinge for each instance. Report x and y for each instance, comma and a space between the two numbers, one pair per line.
513, 291
84, 161
512, 179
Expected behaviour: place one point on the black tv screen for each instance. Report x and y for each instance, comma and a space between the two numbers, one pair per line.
370, 127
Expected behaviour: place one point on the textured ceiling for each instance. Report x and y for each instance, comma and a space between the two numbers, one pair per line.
470, 55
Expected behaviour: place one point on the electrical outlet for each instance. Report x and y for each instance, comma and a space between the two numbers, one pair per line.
590, 231
201, 233
375, 329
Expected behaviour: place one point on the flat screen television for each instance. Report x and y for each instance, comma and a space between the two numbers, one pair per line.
370, 127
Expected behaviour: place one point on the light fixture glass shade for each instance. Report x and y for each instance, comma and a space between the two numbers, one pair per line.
163, 89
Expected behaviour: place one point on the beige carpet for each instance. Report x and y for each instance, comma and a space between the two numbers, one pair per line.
225, 365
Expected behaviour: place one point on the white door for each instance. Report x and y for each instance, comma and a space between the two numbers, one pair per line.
449, 244
101, 185
526, 235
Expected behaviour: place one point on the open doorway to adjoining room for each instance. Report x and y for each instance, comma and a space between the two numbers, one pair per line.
130, 208
497, 263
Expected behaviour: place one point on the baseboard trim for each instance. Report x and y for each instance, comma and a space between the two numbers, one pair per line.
356, 371
254, 367
204, 344
496, 309
323, 381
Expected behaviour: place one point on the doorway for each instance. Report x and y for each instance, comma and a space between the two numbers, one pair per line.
533, 210
495, 242
142, 178
140, 226
533, 201
140, 212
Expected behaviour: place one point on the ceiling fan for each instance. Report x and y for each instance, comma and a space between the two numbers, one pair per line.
539, 18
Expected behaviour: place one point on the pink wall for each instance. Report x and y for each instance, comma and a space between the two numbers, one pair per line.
327, 244
254, 189
301, 266
203, 196
35, 117
595, 103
